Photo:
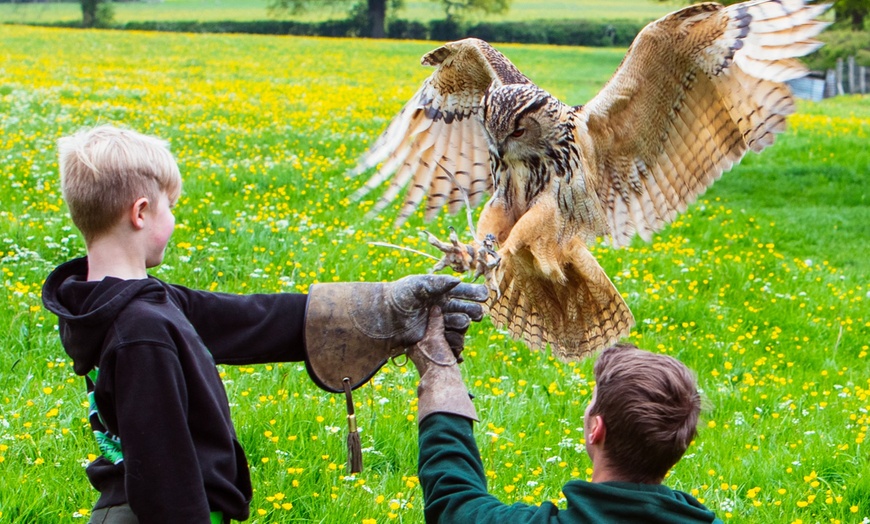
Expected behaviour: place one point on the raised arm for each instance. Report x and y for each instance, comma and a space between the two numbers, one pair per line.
450, 470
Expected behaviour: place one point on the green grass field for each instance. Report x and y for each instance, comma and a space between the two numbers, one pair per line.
761, 287
205, 10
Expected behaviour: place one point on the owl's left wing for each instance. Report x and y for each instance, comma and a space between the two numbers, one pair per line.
697, 89
437, 143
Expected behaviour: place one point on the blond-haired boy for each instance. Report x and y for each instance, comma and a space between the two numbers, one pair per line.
148, 349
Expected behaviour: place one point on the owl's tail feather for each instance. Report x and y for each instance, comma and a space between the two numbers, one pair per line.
578, 312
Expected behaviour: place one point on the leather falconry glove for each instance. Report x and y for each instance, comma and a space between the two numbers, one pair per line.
441, 388
353, 328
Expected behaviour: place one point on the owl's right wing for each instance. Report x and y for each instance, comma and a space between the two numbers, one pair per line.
437, 140
696, 90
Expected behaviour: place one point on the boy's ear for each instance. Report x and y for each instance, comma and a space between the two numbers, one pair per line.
597, 431
137, 212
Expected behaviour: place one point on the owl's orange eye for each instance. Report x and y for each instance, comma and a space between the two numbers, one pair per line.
518, 133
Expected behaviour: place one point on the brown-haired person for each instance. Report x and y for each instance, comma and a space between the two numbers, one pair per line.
148, 348
642, 417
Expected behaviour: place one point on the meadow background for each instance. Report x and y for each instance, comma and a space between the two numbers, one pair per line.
761, 287
420, 10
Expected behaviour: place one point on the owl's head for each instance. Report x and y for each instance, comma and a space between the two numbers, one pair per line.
521, 121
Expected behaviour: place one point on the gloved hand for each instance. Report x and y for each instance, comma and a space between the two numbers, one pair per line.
352, 329
441, 388
406, 307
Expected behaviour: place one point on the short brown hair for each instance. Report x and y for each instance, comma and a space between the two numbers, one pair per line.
650, 406
104, 170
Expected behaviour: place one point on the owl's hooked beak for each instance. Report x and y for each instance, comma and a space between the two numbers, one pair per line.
495, 147
503, 147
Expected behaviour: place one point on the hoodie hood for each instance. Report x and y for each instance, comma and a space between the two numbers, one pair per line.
86, 310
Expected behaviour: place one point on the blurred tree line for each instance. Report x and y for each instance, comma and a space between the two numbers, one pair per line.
369, 18
374, 12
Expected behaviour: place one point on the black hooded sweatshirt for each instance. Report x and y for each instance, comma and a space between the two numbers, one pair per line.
157, 389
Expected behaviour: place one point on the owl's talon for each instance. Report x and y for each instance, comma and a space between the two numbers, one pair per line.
482, 258
443, 246
486, 257
488, 260
489, 252
457, 256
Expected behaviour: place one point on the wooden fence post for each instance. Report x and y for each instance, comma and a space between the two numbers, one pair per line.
864, 72
862, 80
853, 85
839, 77
830, 83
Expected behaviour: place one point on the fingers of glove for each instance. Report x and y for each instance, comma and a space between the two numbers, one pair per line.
473, 310
414, 294
456, 322
466, 291
429, 287
455, 326
456, 341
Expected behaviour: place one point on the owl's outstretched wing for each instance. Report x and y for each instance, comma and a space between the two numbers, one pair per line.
697, 89
437, 140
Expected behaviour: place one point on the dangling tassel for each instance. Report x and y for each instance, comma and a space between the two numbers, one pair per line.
354, 447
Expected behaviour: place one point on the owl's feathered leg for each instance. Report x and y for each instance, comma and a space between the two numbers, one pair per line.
552, 290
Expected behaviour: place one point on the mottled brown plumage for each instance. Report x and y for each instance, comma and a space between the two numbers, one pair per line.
696, 90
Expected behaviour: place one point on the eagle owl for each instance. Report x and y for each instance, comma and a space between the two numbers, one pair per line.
696, 90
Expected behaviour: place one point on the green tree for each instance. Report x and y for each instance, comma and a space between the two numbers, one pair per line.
375, 11
454, 8
97, 13
855, 11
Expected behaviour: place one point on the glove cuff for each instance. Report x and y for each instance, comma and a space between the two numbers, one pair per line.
442, 390
339, 343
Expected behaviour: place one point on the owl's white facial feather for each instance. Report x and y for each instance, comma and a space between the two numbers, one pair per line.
516, 121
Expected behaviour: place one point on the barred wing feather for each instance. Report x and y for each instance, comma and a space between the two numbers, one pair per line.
436, 145
696, 90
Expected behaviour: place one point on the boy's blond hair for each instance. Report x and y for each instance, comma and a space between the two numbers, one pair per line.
104, 170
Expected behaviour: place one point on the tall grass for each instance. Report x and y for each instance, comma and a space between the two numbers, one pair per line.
761, 287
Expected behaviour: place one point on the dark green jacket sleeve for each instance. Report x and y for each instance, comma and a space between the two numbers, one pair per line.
453, 481
454, 489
